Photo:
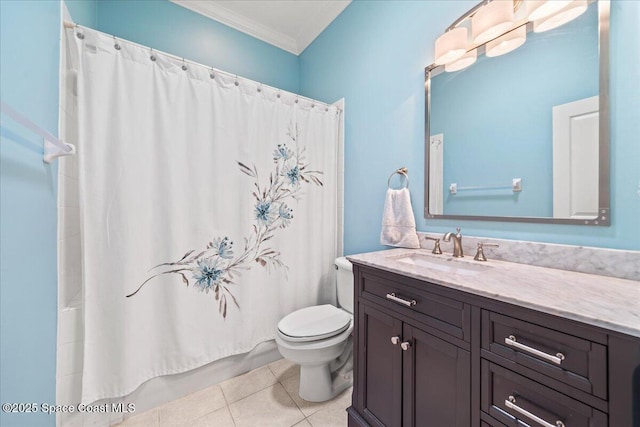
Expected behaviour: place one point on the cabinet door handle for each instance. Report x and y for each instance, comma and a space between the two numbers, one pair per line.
406, 345
513, 342
392, 296
511, 403
395, 340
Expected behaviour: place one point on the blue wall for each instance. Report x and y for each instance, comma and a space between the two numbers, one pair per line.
374, 55
171, 28
29, 34
497, 121
83, 12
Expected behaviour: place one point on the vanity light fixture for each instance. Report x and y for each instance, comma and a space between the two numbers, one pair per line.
507, 42
451, 45
540, 9
491, 20
466, 60
501, 26
569, 13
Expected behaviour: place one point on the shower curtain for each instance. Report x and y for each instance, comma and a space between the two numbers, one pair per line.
207, 212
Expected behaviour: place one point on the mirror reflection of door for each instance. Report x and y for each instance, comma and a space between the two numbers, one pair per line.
575, 159
436, 159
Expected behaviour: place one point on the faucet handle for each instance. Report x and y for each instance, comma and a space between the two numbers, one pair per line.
436, 246
480, 252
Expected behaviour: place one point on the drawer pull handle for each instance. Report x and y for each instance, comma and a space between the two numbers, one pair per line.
392, 296
511, 403
406, 345
395, 340
512, 341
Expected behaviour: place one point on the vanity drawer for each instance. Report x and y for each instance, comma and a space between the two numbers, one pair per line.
442, 313
575, 361
515, 401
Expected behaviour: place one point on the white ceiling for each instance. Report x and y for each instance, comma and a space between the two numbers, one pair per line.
288, 24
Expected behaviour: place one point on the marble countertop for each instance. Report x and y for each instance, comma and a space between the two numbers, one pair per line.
606, 302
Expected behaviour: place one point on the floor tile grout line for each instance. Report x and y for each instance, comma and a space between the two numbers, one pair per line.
329, 403
280, 380
233, 420
304, 416
274, 374
292, 398
318, 409
224, 396
258, 391
203, 415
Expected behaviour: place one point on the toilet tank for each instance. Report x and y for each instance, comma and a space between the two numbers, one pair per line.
344, 284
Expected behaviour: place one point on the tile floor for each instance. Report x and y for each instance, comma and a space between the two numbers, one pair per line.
264, 397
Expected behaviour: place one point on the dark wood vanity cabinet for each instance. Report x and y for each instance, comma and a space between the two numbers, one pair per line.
409, 376
413, 360
430, 356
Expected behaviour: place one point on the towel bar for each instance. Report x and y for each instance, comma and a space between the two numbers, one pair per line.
516, 187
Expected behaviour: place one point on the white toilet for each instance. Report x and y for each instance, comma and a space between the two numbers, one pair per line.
318, 338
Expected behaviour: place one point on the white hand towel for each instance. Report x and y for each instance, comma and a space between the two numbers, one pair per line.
398, 222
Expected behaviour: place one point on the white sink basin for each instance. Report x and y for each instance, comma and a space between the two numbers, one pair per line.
446, 264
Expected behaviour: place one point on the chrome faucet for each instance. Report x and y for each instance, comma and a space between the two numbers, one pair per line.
457, 242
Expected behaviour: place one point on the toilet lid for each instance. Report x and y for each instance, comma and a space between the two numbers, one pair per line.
314, 323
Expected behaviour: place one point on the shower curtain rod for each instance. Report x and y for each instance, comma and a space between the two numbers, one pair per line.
53, 147
72, 25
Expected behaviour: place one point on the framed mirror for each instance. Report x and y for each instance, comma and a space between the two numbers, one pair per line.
523, 136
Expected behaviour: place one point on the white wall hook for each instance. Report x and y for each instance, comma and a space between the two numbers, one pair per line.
53, 151
53, 147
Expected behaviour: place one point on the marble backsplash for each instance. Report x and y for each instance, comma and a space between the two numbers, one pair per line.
605, 262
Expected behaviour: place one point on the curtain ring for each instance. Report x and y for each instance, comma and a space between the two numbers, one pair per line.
152, 57
116, 45
260, 87
184, 66
212, 74
237, 83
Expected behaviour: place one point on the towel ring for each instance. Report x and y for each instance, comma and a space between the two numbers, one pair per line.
401, 171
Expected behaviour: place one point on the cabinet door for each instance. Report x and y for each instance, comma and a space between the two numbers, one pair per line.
437, 382
379, 368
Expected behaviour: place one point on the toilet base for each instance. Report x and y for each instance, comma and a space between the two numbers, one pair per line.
322, 382
325, 365
317, 384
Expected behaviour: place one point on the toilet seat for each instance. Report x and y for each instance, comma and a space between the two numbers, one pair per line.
314, 323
